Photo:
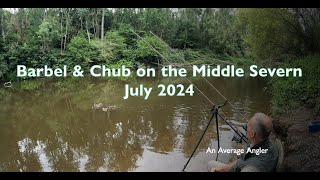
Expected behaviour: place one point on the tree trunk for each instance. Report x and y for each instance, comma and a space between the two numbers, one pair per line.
93, 24
81, 24
96, 23
102, 23
161, 33
21, 24
66, 34
185, 39
61, 29
2, 25
87, 29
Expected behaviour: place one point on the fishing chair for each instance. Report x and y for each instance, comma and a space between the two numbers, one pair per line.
279, 146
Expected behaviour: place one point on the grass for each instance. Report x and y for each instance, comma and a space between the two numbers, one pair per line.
292, 92
30, 85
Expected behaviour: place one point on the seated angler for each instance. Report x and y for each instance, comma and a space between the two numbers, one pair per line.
258, 131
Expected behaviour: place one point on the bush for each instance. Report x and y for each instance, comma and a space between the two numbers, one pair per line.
3, 67
82, 52
292, 92
117, 44
28, 55
122, 62
30, 85
112, 48
146, 54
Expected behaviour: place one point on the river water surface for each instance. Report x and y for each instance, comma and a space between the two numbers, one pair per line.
85, 124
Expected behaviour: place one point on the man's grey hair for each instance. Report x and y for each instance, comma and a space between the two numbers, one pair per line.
260, 127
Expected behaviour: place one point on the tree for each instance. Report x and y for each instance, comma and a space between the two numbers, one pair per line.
218, 31
67, 15
270, 39
187, 33
48, 32
308, 27
102, 23
2, 25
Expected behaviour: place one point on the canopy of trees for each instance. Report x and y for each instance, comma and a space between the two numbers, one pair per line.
85, 36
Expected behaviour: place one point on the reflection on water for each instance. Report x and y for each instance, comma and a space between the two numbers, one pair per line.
85, 125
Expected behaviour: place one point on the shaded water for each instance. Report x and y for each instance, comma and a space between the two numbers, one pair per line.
85, 125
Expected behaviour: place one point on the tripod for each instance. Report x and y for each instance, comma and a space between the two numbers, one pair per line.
215, 113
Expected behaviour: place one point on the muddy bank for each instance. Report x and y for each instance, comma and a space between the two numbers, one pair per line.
301, 147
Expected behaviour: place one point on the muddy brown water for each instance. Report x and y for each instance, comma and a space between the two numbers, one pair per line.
85, 125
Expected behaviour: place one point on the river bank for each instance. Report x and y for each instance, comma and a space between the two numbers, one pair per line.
301, 147
295, 102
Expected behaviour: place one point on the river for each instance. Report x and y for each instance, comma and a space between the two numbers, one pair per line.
84, 124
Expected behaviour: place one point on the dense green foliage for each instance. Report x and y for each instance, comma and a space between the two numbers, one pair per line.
85, 36
276, 35
290, 93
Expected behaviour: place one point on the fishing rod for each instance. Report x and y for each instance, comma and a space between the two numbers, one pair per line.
190, 81
171, 64
240, 136
237, 131
201, 76
236, 138
216, 114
